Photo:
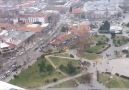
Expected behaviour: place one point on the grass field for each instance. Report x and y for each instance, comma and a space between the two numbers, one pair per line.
58, 61
100, 44
64, 61
62, 54
120, 40
91, 56
67, 84
114, 82
101, 38
32, 78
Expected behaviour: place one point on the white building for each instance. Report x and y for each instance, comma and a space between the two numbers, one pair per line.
101, 9
116, 29
34, 18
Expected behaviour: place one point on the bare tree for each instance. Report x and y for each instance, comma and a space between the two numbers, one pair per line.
84, 41
87, 78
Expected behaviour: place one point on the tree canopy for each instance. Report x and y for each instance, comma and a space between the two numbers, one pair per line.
64, 29
105, 26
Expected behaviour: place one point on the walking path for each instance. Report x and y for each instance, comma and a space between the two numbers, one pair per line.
60, 81
47, 58
90, 70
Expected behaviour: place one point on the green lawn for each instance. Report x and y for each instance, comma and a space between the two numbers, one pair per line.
96, 49
67, 84
100, 44
101, 38
80, 79
58, 61
63, 61
91, 56
32, 78
120, 40
114, 82
62, 54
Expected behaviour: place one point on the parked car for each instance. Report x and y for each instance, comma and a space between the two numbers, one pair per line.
7, 73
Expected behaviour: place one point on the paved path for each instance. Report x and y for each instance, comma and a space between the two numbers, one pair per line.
60, 81
47, 58
91, 69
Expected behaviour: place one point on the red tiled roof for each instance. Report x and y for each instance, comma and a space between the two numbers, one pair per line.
75, 30
32, 29
76, 11
25, 27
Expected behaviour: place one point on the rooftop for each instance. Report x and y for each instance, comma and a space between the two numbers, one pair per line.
76, 11
73, 32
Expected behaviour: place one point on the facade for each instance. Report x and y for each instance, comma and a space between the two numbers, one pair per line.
101, 9
27, 18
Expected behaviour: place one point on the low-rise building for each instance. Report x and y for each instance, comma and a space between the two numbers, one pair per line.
14, 37
71, 37
116, 29
31, 18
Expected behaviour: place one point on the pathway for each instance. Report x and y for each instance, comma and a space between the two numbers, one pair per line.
47, 58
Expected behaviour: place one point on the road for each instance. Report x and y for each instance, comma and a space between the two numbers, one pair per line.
32, 54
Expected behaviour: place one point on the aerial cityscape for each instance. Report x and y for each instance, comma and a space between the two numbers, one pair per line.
64, 44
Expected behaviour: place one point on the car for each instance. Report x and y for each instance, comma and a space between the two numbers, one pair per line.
7, 73
2, 77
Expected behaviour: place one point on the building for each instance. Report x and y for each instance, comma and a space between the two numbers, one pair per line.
8, 11
77, 12
31, 18
13, 37
116, 29
71, 37
102, 9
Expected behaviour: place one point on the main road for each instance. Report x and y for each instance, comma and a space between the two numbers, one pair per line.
32, 54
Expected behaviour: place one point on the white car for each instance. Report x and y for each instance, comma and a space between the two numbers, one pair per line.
126, 48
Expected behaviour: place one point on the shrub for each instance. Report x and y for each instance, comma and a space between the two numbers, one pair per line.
47, 81
55, 80
72, 56
15, 76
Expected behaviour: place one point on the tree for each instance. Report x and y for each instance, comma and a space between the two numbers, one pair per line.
70, 68
42, 66
87, 78
64, 29
127, 25
61, 66
70, 10
50, 19
113, 35
55, 80
84, 42
71, 55
15, 76
105, 26
49, 68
